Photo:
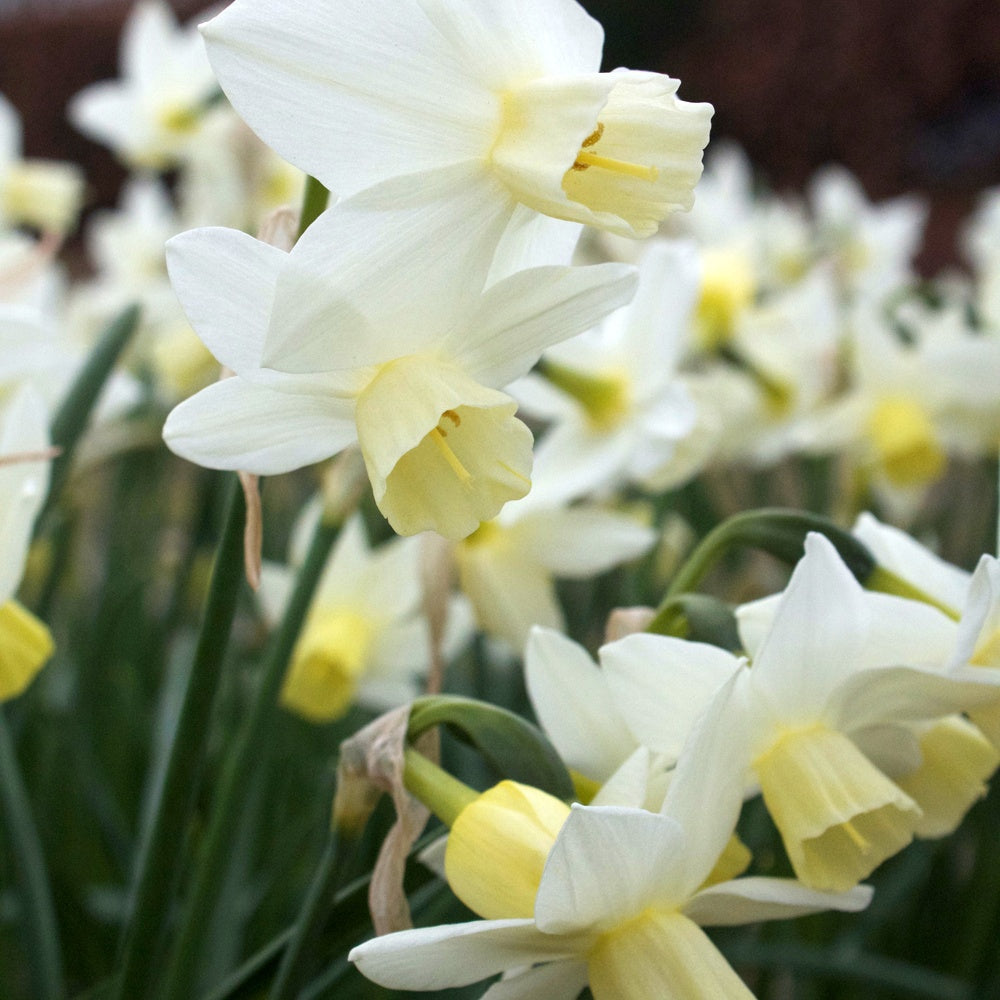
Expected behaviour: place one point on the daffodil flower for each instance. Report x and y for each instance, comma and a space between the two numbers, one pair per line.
377, 328
617, 407
504, 97
365, 639
838, 679
605, 896
45, 194
507, 568
150, 116
25, 642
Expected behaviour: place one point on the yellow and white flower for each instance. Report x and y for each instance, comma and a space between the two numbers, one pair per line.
365, 639
504, 97
378, 328
605, 896
25, 642
152, 114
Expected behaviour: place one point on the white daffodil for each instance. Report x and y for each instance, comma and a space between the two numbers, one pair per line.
909, 405
126, 246
838, 679
25, 643
507, 568
44, 194
970, 599
365, 638
376, 328
154, 112
504, 98
618, 408
873, 245
610, 897
573, 704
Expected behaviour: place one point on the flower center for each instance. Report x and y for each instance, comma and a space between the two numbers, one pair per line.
839, 816
585, 158
604, 396
906, 442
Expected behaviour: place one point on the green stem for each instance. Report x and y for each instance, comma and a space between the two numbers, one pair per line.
37, 909
314, 202
161, 854
444, 795
887, 582
243, 757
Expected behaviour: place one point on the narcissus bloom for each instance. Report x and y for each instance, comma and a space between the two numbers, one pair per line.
610, 897
153, 112
504, 97
25, 643
365, 639
378, 328
839, 679
45, 194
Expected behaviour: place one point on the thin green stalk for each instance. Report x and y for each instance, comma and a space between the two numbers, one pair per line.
37, 910
314, 201
243, 756
161, 853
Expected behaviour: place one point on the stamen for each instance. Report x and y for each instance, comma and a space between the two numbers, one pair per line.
585, 159
450, 457
860, 842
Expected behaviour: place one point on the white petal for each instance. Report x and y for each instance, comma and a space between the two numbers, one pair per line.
662, 684
747, 900
607, 865
225, 281
352, 93
233, 424
509, 593
706, 791
23, 485
582, 541
553, 981
433, 958
906, 557
533, 240
570, 697
574, 460
364, 286
906, 694
520, 316
817, 636
906, 632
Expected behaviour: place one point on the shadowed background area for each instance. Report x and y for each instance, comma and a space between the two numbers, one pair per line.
906, 95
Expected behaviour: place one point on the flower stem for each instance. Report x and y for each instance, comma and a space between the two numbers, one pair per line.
444, 795
314, 201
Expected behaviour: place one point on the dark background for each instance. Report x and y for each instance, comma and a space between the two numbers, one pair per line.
904, 94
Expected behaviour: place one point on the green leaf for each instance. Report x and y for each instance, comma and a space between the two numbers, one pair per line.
71, 418
514, 747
